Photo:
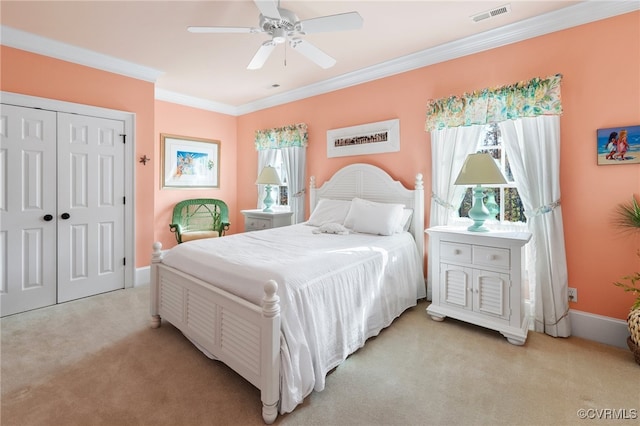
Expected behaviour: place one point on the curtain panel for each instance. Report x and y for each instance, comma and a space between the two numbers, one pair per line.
523, 99
282, 137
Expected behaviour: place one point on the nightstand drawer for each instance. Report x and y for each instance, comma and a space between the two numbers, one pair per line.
455, 252
491, 256
255, 223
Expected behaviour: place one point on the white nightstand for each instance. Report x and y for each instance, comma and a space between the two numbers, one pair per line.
477, 277
255, 220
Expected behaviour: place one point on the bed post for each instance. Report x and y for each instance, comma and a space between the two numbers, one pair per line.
270, 387
418, 220
156, 258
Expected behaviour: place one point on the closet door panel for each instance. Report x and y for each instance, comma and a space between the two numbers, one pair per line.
91, 238
27, 209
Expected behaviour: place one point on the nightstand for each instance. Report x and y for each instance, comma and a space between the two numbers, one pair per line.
255, 220
477, 277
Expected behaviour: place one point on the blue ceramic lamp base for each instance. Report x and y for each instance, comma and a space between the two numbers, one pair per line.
268, 201
478, 212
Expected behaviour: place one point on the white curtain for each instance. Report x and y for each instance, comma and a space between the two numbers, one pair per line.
266, 157
532, 145
294, 159
449, 149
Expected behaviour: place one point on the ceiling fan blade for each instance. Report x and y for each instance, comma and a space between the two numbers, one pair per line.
261, 55
312, 52
268, 8
223, 30
340, 22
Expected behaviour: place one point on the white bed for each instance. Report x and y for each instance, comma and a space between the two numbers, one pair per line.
284, 306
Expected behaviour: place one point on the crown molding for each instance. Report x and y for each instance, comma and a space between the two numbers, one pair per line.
22, 40
195, 102
579, 14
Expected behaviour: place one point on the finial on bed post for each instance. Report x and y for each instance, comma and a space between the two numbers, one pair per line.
156, 255
419, 182
270, 389
271, 301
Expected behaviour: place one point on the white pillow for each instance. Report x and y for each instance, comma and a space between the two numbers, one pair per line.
329, 211
405, 221
373, 218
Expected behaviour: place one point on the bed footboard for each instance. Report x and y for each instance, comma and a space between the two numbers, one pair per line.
244, 336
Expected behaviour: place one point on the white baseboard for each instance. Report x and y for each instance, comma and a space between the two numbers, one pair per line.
143, 276
607, 330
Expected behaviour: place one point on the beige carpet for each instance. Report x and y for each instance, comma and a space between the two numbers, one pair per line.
96, 362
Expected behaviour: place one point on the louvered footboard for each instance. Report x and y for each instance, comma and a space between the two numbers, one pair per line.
244, 336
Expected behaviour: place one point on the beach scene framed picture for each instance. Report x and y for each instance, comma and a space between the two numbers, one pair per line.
619, 145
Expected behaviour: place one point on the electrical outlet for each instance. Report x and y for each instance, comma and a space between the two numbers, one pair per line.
573, 294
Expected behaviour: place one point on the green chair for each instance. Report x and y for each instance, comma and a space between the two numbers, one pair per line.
199, 218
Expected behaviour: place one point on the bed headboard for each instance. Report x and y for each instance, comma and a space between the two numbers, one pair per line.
372, 183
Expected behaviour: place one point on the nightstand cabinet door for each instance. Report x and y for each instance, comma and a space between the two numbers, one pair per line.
491, 294
457, 286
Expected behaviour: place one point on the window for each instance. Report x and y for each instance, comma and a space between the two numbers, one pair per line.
282, 196
506, 196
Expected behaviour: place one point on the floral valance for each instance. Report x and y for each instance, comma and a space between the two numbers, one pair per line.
523, 99
282, 137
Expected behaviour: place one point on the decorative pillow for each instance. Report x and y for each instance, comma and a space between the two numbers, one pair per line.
329, 211
331, 228
373, 218
405, 221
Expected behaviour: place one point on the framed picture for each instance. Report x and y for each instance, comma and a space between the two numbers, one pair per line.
372, 138
189, 162
619, 145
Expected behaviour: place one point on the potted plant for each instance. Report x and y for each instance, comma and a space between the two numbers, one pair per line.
628, 217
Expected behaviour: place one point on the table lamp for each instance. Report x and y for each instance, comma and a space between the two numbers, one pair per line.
268, 176
478, 169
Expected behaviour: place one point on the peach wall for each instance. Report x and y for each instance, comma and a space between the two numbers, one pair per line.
601, 67
45, 77
180, 120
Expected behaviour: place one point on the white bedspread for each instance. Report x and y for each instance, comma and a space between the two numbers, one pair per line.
335, 291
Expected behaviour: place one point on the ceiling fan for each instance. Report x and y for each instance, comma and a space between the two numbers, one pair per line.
283, 25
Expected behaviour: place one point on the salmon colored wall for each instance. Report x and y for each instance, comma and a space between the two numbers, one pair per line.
45, 77
601, 67
181, 120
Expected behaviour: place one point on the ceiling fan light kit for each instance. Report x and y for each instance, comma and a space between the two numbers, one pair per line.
282, 25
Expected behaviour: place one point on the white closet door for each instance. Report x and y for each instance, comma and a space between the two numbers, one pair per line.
27, 209
90, 192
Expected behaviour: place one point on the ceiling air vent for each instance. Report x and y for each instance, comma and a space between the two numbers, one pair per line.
491, 13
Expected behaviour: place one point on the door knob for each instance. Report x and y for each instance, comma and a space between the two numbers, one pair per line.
47, 217
65, 216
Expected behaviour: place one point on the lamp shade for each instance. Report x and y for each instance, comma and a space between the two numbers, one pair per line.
269, 176
480, 168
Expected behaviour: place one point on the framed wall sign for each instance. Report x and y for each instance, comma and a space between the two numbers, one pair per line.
372, 138
618, 145
189, 162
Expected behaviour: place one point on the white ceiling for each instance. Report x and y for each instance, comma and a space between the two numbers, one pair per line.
151, 38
